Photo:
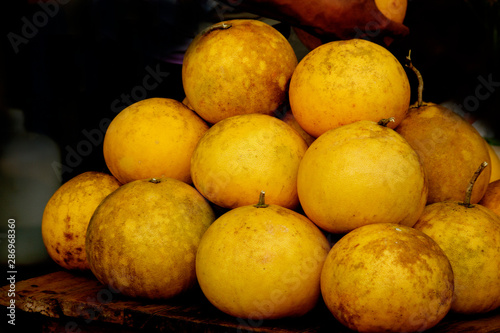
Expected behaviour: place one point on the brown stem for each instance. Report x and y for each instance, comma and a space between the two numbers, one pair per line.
468, 193
385, 122
262, 200
155, 181
217, 26
409, 64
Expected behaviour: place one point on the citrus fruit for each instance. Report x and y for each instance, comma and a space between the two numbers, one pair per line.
154, 137
237, 67
142, 239
394, 10
470, 236
341, 82
359, 174
185, 101
495, 163
449, 147
241, 156
290, 120
387, 278
67, 215
491, 198
261, 262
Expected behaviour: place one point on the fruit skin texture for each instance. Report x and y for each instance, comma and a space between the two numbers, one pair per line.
243, 155
242, 69
290, 120
342, 82
67, 215
495, 163
142, 239
359, 174
262, 263
185, 101
450, 148
491, 198
470, 237
154, 137
387, 278
394, 10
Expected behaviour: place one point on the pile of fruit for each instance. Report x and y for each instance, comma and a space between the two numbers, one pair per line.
275, 184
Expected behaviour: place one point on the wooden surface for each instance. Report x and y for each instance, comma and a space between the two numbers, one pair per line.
78, 301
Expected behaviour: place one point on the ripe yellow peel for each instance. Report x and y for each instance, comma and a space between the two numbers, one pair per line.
142, 239
237, 67
152, 138
359, 174
470, 237
261, 263
387, 278
242, 155
393, 9
67, 215
341, 82
290, 120
495, 163
450, 148
491, 198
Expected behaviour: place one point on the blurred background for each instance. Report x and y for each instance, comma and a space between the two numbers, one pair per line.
68, 67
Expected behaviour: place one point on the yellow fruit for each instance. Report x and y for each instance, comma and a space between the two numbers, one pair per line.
67, 215
154, 137
242, 155
495, 163
259, 262
394, 10
142, 239
359, 174
387, 278
290, 120
341, 82
491, 198
449, 147
237, 67
470, 237
185, 101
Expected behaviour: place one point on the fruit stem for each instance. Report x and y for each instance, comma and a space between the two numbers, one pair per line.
154, 181
220, 26
262, 200
409, 64
384, 122
468, 193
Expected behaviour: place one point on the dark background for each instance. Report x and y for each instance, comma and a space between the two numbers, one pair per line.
66, 77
